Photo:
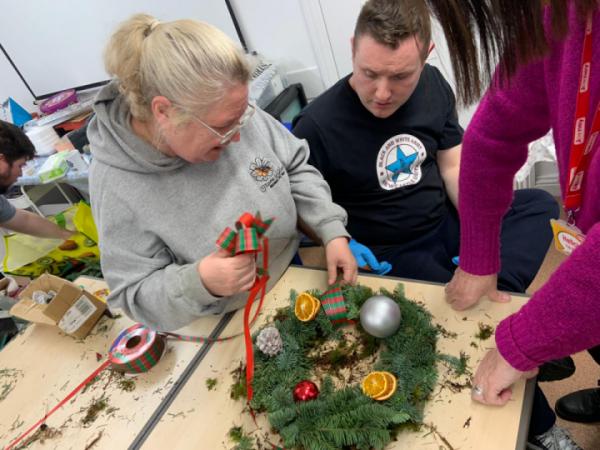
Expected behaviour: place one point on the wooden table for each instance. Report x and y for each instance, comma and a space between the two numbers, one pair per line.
42, 365
200, 419
171, 406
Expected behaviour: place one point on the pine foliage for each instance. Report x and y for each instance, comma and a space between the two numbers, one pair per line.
346, 418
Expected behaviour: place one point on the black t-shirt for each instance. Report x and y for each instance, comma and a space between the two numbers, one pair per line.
384, 171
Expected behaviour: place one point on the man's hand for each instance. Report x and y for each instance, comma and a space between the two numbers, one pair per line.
67, 234
367, 260
492, 383
465, 290
338, 254
224, 275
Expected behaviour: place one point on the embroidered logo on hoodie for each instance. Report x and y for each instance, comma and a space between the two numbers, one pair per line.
262, 170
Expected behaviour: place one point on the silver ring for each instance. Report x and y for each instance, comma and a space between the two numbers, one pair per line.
477, 390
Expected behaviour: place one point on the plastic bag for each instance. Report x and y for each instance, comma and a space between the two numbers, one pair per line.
32, 256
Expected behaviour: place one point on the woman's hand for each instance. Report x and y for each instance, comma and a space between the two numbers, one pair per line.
338, 255
224, 275
492, 383
465, 290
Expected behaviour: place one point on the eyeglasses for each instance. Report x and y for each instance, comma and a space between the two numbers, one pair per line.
225, 138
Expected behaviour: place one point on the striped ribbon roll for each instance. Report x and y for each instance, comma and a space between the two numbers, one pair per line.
137, 349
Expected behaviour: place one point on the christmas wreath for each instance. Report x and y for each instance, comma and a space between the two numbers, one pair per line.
326, 386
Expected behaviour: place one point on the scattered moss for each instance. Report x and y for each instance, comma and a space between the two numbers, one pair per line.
8, 381
474, 344
456, 387
41, 435
462, 364
238, 388
94, 410
485, 331
241, 439
211, 383
92, 382
127, 384
445, 333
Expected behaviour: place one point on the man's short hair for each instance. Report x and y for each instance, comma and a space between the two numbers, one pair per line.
14, 144
390, 22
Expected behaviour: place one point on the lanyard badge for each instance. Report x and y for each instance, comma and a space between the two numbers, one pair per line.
566, 237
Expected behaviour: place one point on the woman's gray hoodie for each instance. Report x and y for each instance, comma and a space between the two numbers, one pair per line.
157, 216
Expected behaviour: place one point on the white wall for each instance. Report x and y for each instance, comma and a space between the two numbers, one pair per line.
12, 86
58, 45
309, 40
277, 30
274, 28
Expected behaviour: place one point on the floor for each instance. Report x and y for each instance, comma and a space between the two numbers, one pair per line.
586, 375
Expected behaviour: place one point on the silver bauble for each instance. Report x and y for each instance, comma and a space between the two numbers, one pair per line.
380, 316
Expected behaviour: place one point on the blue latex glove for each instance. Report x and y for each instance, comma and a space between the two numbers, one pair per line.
366, 259
455, 261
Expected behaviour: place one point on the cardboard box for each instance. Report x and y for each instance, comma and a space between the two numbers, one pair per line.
74, 310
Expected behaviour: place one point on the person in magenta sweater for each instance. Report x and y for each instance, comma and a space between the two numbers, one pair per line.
534, 89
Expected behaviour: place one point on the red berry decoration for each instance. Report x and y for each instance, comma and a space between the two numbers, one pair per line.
305, 390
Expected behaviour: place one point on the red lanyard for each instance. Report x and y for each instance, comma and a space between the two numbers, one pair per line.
582, 147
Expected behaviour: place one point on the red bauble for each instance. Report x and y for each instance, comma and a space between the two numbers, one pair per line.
305, 390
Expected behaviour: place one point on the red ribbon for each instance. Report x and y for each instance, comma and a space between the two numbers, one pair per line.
248, 239
104, 365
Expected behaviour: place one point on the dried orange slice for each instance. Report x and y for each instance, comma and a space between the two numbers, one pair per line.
375, 384
391, 387
306, 307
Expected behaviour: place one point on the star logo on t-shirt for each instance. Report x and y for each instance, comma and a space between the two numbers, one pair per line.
402, 164
399, 162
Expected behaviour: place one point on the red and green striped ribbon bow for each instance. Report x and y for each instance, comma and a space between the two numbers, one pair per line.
247, 235
247, 238
334, 305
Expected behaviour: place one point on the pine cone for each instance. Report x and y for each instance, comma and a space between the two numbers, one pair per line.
269, 341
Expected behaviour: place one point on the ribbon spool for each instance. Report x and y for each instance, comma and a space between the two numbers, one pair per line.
136, 350
334, 306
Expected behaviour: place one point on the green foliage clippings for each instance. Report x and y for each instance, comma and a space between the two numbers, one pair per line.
241, 439
211, 383
485, 331
346, 418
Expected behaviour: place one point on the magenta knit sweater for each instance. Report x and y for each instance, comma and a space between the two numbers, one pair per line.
563, 317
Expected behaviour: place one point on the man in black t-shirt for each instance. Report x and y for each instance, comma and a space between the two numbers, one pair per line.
387, 140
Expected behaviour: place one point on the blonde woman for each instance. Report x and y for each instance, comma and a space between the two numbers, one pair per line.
179, 154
